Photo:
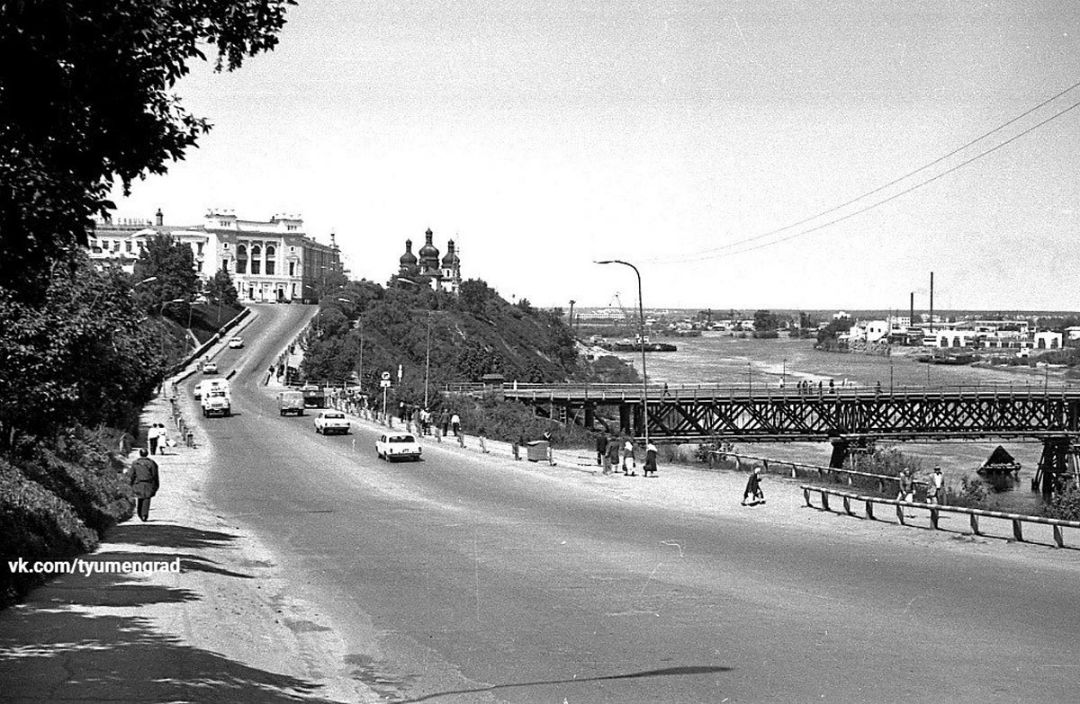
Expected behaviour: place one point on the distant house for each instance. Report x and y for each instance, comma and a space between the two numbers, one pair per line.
1047, 340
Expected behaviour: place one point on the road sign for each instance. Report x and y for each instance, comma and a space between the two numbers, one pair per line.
385, 383
386, 376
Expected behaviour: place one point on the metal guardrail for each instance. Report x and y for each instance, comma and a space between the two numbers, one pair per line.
974, 514
821, 471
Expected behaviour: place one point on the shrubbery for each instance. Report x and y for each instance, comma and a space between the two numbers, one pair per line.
1065, 504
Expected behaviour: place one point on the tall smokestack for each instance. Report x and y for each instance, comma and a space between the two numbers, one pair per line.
911, 313
931, 302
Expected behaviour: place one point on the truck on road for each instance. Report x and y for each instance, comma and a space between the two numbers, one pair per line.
291, 402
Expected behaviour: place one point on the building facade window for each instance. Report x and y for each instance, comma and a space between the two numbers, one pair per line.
270, 252
241, 259
256, 260
292, 268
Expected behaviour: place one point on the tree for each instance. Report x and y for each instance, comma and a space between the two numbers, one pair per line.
765, 321
221, 289
86, 99
171, 265
81, 355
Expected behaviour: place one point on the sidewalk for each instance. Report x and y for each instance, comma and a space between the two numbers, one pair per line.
225, 628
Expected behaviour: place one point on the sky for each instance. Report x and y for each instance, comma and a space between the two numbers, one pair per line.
543, 136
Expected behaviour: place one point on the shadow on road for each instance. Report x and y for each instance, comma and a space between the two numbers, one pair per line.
168, 536
664, 672
62, 646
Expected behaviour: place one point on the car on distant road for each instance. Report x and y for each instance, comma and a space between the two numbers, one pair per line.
209, 368
236, 343
398, 446
331, 422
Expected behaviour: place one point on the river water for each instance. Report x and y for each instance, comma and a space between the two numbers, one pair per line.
720, 358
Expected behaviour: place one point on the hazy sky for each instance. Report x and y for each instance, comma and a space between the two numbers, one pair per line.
544, 135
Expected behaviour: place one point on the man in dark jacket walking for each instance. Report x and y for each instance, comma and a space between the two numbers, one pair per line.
144, 482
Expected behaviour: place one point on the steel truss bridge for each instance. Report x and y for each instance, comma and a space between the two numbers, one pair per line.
847, 417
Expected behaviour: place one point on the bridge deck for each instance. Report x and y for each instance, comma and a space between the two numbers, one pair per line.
790, 414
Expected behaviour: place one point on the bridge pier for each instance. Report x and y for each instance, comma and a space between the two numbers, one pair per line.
624, 419
842, 448
590, 415
1053, 462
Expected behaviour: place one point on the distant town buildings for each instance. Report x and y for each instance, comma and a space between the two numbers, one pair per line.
272, 260
428, 269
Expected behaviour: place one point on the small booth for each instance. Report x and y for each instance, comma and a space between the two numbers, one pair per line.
1000, 470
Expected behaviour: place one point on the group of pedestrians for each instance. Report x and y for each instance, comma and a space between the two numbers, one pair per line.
935, 491
613, 453
157, 439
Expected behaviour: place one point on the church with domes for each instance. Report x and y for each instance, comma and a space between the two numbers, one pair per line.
441, 274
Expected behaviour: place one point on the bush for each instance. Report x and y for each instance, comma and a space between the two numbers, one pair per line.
971, 494
36, 525
511, 421
1065, 504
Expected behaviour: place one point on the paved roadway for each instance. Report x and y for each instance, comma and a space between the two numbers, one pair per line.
486, 582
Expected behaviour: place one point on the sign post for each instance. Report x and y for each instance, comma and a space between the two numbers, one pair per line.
385, 384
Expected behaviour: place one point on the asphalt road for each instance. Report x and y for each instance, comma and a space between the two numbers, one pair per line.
486, 581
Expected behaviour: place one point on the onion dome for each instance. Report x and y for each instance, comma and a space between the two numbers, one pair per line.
408, 259
429, 255
451, 259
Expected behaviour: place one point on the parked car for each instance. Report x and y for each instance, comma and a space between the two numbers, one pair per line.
331, 422
209, 368
236, 343
397, 446
291, 402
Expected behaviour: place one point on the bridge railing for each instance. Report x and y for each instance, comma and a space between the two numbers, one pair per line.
935, 510
797, 469
658, 392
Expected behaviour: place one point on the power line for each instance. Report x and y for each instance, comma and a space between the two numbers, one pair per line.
790, 226
903, 192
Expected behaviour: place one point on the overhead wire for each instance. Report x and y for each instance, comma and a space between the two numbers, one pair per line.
707, 254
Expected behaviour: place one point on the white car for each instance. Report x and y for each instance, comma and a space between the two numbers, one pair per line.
209, 368
331, 422
236, 343
397, 446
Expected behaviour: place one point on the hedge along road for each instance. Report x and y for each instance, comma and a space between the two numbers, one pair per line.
464, 578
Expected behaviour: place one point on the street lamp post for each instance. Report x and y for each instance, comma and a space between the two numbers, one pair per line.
641, 337
427, 361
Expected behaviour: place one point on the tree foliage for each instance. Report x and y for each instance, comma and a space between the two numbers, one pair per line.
86, 99
171, 266
80, 356
221, 289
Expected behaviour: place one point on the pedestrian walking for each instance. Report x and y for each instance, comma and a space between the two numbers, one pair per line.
628, 454
401, 411
612, 453
153, 435
601, 447
936, 492
455, 424
145, 483
164, 441
907, 487
444, 421
753, 489
650, 460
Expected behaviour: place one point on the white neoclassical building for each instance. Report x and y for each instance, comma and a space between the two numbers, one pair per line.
271, 260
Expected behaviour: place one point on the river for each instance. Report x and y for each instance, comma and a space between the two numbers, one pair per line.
720, 358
